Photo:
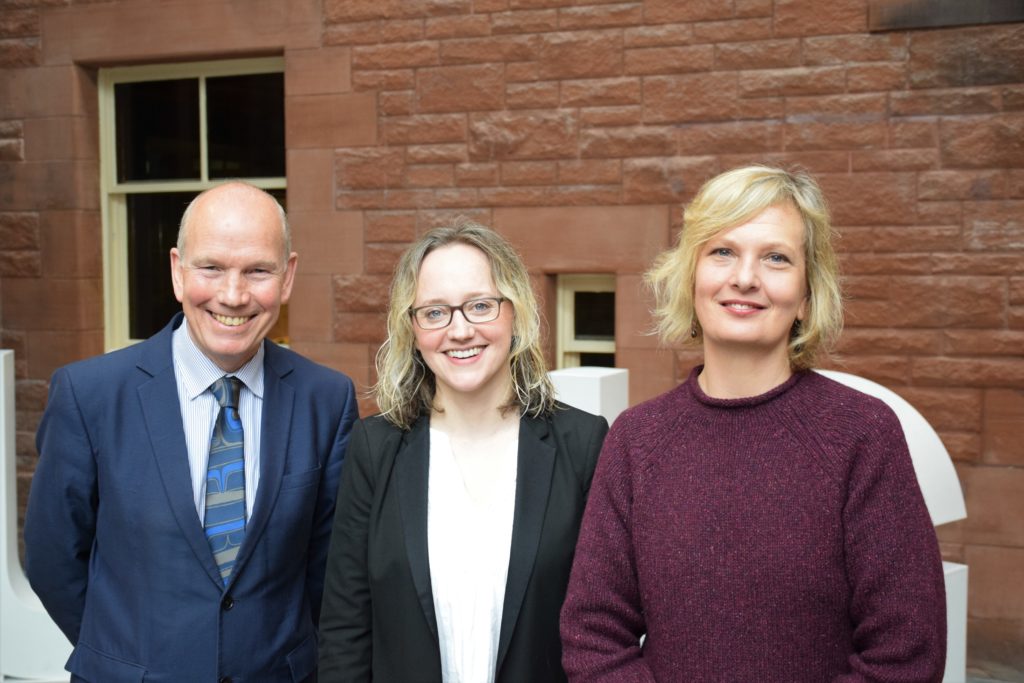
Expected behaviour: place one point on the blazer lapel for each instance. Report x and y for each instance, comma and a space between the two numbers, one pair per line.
533, 485
412, 467
162, 414
278, 403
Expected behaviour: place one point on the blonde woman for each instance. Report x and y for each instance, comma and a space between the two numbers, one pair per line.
759, 522
460, 503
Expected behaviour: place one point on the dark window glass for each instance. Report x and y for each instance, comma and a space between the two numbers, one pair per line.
595, 316
152, 231
245, 126
157, 130
599, 360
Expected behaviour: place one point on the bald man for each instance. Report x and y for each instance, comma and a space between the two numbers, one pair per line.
178, 521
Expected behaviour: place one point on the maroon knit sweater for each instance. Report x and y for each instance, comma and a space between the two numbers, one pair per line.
781, 537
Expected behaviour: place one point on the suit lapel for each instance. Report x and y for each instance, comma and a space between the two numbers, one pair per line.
161, 412
278, 403
533, 485
412, 467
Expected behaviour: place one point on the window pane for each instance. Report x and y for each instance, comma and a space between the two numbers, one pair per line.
245, 125
598, 360
595, 316
152, 231
157, 130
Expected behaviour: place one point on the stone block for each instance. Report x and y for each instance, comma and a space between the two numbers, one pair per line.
328, 241
491, 49
424, 129
318, 121
396, 55
374, 32
870, 198
668, 60
611, 116
601, 16
809, 18
323, 71
994, 225
524, 21
910, 301
665, 11
600, 92
361, 293
309, 309
72, 244
521, 135
47, 350
671, 180
549, 239
1003, 416
532, 95
370, 167
62, 138
763, 54
473, 87
964, 57
730, 30
657, 35
457, 26
691, 97
628, 141
590, 172
822, 80
310, 174
983, 141
579, 54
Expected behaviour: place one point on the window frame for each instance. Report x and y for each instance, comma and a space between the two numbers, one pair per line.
568, 348
113, 194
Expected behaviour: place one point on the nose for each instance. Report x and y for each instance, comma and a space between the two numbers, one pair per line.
234, 290
744, 274
459, 327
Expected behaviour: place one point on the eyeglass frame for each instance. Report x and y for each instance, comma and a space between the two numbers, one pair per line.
461, 308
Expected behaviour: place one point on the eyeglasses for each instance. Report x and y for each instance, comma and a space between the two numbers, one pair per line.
437, 316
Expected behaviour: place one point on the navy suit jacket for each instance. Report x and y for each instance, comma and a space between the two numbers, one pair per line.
378, 615
116, 551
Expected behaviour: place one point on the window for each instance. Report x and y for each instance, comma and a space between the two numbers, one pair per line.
889, 15
168, 132
586, 321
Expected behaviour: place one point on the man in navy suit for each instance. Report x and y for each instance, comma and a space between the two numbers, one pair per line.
119, 541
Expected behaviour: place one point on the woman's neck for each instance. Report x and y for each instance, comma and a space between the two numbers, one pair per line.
468, 416
732, 374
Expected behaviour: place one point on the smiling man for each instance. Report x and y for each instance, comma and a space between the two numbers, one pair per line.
178, 521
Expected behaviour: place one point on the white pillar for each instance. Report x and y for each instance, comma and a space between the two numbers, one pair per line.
32, 648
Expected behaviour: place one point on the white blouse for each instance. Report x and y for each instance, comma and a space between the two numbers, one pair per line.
468, 544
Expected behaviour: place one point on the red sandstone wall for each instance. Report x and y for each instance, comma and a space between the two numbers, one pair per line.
579, 128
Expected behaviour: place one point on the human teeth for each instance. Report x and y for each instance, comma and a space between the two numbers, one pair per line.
464, 353
232, 321
743, 307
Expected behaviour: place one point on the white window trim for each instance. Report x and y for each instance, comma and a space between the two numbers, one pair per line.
568, 348
113, 204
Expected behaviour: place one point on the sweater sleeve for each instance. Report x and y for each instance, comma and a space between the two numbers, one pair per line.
898, 602
602, 618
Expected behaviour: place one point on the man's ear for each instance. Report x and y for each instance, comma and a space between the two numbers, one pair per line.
289, 277
177, 277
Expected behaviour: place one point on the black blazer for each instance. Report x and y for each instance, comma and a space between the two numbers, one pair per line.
377, 622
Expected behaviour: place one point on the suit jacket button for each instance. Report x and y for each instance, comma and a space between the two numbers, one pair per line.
227, 603
224, 679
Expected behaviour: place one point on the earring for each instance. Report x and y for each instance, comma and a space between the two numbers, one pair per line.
693, 331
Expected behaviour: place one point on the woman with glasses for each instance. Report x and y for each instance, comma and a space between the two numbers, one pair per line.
460, 502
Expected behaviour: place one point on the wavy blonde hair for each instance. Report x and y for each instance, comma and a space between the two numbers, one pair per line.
405, 385
724, 202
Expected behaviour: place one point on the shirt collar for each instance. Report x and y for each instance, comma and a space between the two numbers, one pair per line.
197, 372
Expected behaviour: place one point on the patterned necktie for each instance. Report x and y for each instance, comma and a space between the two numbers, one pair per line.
224, 522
